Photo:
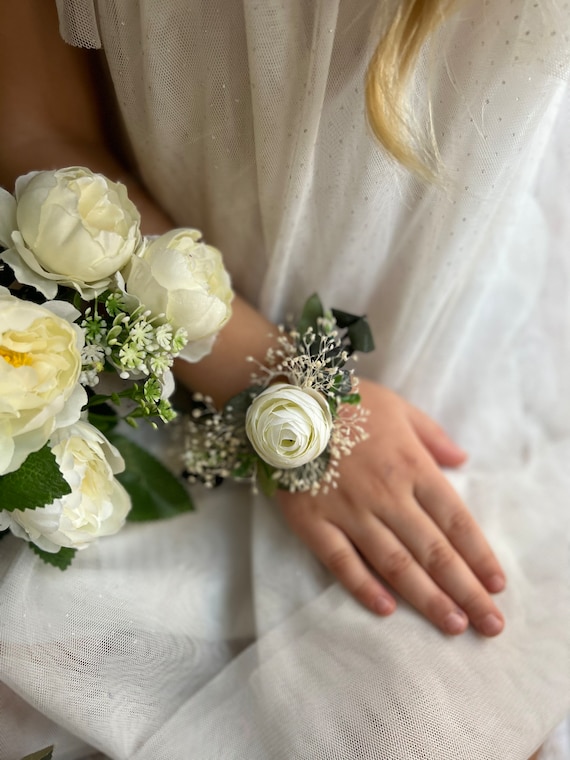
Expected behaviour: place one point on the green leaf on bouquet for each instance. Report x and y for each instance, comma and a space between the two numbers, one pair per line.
312, 310
62, 559
36, 483
155, 492
41, 754
103, 417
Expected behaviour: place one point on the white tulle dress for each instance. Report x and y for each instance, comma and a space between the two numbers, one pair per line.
217, 634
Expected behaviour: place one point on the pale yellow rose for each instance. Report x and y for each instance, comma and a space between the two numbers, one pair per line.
72, 227
289, 426
185, 280
40, 363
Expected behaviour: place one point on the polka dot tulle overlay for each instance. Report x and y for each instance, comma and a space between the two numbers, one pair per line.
216, 635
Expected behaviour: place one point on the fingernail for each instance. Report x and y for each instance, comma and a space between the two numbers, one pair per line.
496, 583
491, 625
455, 622
383, 605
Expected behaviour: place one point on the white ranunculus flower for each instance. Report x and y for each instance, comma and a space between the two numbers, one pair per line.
289, 426
184, 279
40, 364
72, 227
97, 505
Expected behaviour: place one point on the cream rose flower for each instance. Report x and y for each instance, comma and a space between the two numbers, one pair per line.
183, 279
97, 505
289, 426
69, 227
40, 363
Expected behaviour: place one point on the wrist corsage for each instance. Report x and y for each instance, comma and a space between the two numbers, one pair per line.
299, 416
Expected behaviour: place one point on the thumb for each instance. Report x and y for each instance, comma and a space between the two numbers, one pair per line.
445, 451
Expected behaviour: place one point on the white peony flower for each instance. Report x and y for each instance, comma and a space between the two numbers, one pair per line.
7, 217
184, 280
40, 364
70, 227
97, 505
289, 426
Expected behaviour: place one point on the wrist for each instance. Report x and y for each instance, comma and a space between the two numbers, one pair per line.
226, 370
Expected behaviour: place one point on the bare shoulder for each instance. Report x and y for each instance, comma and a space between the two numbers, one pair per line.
46, 86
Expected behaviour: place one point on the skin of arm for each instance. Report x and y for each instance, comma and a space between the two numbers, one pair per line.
395, 515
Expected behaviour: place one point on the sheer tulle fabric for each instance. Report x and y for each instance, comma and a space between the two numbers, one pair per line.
217, 635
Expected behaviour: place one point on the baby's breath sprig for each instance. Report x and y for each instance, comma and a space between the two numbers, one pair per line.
298, 418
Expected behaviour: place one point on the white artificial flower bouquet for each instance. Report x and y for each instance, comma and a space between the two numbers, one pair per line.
83, 293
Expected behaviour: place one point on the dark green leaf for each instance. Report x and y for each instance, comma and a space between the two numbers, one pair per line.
41, 754
343, 318
6, 273
238, 405
360, 336
97, 399
36, 483
103, 417
312, 310
62, 559
155, 492
343, 382
77, 301
352, 398
358, 331
245, 467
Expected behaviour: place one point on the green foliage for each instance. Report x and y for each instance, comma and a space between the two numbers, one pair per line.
312, 311
42, 754
358, 333
36, 483
245, 467
266, 482
61, 559
154, 491
147, 400
103, 417
238, 405
352, 398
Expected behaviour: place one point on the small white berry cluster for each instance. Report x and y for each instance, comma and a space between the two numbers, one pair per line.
124, 335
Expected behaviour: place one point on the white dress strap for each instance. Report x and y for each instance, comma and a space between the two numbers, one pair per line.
78, 23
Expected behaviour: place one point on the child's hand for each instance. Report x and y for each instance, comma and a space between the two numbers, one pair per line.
394, 514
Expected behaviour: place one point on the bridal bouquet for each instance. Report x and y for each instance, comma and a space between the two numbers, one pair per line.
84, 295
